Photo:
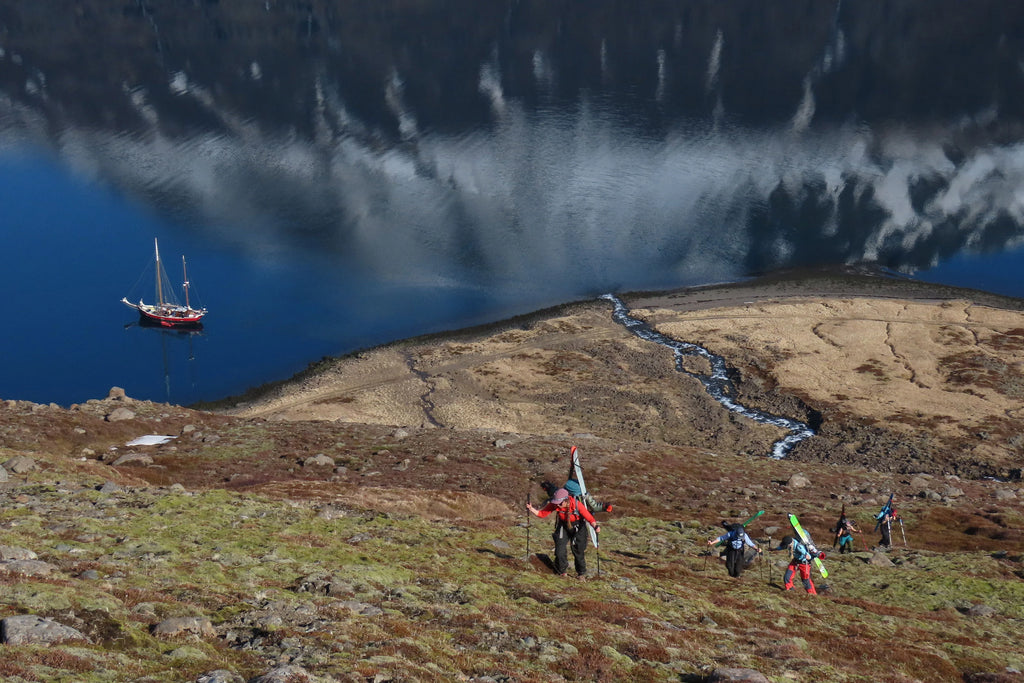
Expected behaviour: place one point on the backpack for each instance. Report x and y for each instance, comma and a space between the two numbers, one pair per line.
735, 539
800, 553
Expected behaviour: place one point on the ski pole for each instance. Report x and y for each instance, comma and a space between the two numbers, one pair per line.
597, 546
769, 563
528, 515
904, 533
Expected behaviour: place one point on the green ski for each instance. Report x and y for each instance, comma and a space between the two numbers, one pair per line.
805, 538
749, 520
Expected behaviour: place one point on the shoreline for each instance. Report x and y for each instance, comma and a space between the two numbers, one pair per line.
824, 283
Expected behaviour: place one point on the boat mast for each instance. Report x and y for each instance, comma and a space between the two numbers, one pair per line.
184, 274
159, 269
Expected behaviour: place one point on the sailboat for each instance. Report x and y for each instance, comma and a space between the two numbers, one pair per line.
167, 312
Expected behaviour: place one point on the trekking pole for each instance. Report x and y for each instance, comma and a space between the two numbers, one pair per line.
769, 563
528, 515
904, 533
597, 546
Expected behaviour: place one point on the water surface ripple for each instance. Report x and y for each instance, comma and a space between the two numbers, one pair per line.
717, 384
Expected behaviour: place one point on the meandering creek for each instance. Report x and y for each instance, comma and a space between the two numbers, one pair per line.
717, 384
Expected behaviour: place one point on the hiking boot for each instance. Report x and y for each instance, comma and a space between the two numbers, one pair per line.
582, 577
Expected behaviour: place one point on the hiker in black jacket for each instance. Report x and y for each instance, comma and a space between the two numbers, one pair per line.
734, 538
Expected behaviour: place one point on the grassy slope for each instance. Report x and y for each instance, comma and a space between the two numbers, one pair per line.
421, 542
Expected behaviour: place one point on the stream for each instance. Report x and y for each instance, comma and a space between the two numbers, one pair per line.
717, 384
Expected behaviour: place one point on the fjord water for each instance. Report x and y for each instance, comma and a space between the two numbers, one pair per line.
344, 175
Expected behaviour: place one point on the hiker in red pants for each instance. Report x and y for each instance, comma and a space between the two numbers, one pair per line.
799, 561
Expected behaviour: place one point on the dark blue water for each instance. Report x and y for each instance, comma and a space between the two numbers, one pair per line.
340, 178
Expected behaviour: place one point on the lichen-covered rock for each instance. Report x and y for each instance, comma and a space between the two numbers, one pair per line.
184, 626
28, 629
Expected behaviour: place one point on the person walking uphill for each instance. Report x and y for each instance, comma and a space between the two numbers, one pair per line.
734, 538
799, 561
569, 530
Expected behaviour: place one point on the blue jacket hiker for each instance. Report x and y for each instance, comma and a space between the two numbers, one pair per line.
735, 538
799, 561
569, 529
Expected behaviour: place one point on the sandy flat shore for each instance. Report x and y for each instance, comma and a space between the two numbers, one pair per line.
890, 373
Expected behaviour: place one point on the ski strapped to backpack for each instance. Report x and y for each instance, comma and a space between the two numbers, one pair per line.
886, 510
805, 538
577, 474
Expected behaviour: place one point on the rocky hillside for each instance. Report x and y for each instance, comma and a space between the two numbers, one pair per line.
253, 549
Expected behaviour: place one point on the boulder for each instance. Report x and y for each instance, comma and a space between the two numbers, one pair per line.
119, 414
319, 460
798, 481
285, 674
20, 464
28, 629
27, 567
10, 552
735, 675
220, 676
880, 559
189, 626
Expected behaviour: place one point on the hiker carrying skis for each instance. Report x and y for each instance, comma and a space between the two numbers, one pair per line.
844, 534
570, 530
734, 538
799, 561
886, 517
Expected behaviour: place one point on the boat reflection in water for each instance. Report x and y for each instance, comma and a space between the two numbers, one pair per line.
169, 337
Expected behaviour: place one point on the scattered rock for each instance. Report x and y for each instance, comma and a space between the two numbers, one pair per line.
502, 443
20, 464
919, 482
117, 394
28, 629
729, 675
178, 626
220, 676
980, 611
285, 674
10, 552
133, 459
880, 559
3, 475
119, 414
361, 608
28, 567
798, 481
318, 460
1005, 494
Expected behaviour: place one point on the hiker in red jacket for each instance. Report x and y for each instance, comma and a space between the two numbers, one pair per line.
570, 528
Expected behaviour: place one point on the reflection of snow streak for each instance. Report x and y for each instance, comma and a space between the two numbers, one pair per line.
718, 384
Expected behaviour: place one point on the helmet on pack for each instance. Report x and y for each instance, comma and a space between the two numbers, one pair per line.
785, 543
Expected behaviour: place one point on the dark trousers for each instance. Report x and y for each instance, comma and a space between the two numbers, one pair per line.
576, 538
885, 534
734, 561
